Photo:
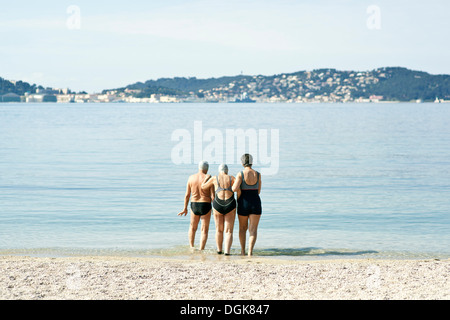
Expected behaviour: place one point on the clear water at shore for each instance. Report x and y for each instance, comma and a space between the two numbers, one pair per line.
354, 180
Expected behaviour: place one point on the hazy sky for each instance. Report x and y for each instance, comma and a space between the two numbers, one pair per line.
114, 43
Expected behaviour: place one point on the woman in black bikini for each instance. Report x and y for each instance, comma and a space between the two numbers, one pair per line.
224, 206
248, 182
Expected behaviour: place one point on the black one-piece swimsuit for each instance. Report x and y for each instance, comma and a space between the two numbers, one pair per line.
224, 206
249, 202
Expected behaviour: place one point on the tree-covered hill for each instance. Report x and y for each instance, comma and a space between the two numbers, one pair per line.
404, 85
17, 87
393, 84
321, 85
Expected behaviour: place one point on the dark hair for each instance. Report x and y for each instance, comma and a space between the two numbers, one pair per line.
247, 160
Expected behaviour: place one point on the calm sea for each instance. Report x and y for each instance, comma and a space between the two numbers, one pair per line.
353, 180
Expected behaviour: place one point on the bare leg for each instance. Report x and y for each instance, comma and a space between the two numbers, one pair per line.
193, 229
228, 226
219, 219
253, 232
243, 226
205, 228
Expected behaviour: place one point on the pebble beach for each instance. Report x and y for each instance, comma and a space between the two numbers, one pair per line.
221, 278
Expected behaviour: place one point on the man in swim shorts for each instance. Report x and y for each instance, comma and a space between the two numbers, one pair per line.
200, 205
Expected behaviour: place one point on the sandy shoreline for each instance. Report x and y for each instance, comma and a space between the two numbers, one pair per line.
126, 278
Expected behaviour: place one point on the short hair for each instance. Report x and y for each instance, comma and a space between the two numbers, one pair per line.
247, 160
203, 165
223, 168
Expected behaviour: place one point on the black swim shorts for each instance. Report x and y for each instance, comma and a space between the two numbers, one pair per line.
200, 208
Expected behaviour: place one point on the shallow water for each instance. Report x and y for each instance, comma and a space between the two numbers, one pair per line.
354, 180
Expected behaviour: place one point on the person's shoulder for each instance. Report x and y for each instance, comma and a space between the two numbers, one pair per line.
193, 177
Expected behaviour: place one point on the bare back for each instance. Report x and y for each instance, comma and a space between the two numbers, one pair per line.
224, 181
195, 185
250, 176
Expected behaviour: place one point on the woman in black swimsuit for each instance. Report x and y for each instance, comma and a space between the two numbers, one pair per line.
248, 182
224, 206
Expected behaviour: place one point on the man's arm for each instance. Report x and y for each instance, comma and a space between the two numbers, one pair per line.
186, 199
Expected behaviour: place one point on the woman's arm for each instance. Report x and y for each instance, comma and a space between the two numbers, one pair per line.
259, 188
238, 192
237, 183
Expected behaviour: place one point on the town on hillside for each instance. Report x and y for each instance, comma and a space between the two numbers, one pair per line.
322, 85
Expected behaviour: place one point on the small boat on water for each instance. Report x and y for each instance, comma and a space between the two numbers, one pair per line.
243, 99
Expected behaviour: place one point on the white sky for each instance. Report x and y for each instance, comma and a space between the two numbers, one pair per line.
119, 43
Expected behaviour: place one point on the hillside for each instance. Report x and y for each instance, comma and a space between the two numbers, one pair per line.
321, 85
389, 84
17, 87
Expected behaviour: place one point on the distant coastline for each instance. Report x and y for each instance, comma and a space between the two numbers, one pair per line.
383, 85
